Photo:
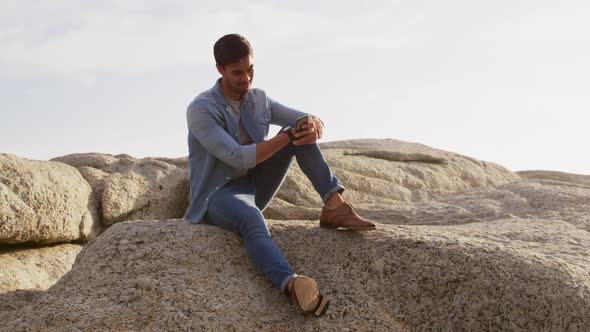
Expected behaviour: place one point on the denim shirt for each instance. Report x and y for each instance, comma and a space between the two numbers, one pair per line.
215, 154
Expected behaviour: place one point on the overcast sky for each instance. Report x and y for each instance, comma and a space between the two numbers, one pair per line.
501, 81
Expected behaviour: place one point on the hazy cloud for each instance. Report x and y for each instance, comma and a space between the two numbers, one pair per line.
69, 37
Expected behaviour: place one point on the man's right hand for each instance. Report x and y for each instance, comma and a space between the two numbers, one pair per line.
310, 133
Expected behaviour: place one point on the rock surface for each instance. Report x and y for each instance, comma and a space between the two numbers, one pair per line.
461, 245
34, 267
28, 270
553, 176
374, 171
386, 172
129, 188
43, 202
172, 275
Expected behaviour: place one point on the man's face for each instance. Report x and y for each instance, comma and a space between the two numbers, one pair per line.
237, 77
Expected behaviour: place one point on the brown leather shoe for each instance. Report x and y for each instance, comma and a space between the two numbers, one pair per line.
306, 296
344, 216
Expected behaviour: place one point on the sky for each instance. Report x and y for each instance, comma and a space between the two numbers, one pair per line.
501, 81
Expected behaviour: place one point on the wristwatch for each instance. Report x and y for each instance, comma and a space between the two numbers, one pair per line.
287, 130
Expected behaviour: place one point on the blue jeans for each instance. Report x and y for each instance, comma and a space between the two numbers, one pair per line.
238, 204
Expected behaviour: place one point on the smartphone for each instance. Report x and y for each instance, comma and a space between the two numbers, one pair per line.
301, 121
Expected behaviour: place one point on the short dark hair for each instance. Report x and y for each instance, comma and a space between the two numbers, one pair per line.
231, 49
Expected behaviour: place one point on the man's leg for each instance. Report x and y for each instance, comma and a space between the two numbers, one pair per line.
232, 207
270, 174
336, 213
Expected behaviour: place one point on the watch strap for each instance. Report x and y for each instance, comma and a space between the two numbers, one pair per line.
287, 130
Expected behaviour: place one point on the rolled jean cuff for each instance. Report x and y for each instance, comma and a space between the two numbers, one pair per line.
286, 281
339, 188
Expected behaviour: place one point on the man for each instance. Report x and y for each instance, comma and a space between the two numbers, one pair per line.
235, 172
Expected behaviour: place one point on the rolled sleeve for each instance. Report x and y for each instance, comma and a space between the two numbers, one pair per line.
248, 156
282, 115
204, 126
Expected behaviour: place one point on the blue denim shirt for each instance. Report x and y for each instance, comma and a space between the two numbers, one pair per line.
215, 154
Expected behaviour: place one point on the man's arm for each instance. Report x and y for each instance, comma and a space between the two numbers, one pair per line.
203, 125
216, 140
282, 115
266, 149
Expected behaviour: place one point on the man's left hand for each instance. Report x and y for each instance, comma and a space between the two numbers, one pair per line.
311, 132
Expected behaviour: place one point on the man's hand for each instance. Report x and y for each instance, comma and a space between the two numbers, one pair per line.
311, 132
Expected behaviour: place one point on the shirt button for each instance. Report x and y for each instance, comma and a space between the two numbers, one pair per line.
216, 187
236, 135
227, 178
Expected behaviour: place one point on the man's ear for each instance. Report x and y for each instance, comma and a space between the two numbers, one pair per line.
219, 69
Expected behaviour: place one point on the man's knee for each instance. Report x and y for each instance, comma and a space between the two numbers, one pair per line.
306, 146
252, 223
307, 150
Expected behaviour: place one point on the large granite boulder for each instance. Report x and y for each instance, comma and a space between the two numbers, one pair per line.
556, 177
34, 267
129, 188
461, 245
399, 277
526, 199
29, 270
386, 172
374, 171
44, 202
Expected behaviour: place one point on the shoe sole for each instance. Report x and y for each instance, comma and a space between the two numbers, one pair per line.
350, 228
308, 293
322, 307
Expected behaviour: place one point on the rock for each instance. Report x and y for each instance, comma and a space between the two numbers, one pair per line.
124, 193
549, 177
34, 267
181, 162
462, 244
399, 277
95, 178
146, 189
378, 266
520, 199
128, 188
379, 171
29, 270
12, 301
550, 220
94, 160
385, 171
280, 209
43, 202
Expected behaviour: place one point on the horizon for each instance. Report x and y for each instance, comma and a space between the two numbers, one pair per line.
504, 82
